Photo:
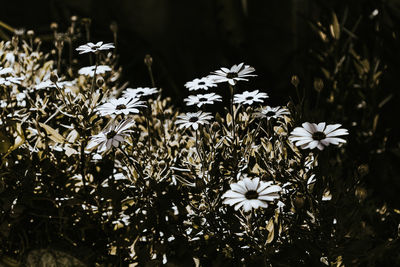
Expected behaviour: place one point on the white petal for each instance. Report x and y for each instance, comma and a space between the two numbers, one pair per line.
331, 127
271, 189
232, 194
321, 126
238, 188
338, 132
270, 197
233, 201
247, 206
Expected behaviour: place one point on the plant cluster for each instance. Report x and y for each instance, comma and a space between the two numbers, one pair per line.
117, 175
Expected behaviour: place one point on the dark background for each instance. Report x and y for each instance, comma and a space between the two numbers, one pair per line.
187, 39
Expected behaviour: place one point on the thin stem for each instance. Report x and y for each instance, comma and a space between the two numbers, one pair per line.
94, 77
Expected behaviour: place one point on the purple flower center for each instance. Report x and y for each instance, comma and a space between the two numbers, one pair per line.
120, 106
251, 194
231, 75
111, 134
270, 113
193, 119
318, 136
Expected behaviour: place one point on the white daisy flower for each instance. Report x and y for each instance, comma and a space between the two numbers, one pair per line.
272, 112
6, 70
121, 105
89, 71
249, 97
235, 73
251, 194
140, 91
201, 99
319, 135
50, 84
112, 136
202, 83
7, 81
193, 119
91, 47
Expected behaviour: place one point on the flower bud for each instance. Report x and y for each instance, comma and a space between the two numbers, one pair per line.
99, 81
114, 26
54, 26
318, 84
215, 126
53, 77
30, 33
148, 60
74, 18
295, 80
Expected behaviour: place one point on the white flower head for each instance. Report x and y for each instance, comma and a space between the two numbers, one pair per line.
272, 112
6, 70
249, 97
140, 91
235, 73
202, 83
319, 135
7, 81
121, 105
49, 84
89, 71
91, 47
193, 119
251, 193
202, 99
112, 136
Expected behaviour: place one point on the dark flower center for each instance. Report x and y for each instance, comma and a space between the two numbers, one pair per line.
249, 98
231, 75
203, 99
251, 194
193, 119
201, 83
318, 136
270, 114
121, 106
111, 134
139, 92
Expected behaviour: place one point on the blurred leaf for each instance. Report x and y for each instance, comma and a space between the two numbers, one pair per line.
335, 27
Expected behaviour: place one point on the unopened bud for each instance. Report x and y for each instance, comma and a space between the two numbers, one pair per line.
148, 60
99, 81
54, 26
74, 18
114, 26
318, 84
161, 164
299, 202
215, 126
86, 21
119, 155
30, 33
363, 170
53, 77
295, 80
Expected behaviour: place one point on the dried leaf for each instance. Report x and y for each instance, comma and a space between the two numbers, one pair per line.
52, 134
